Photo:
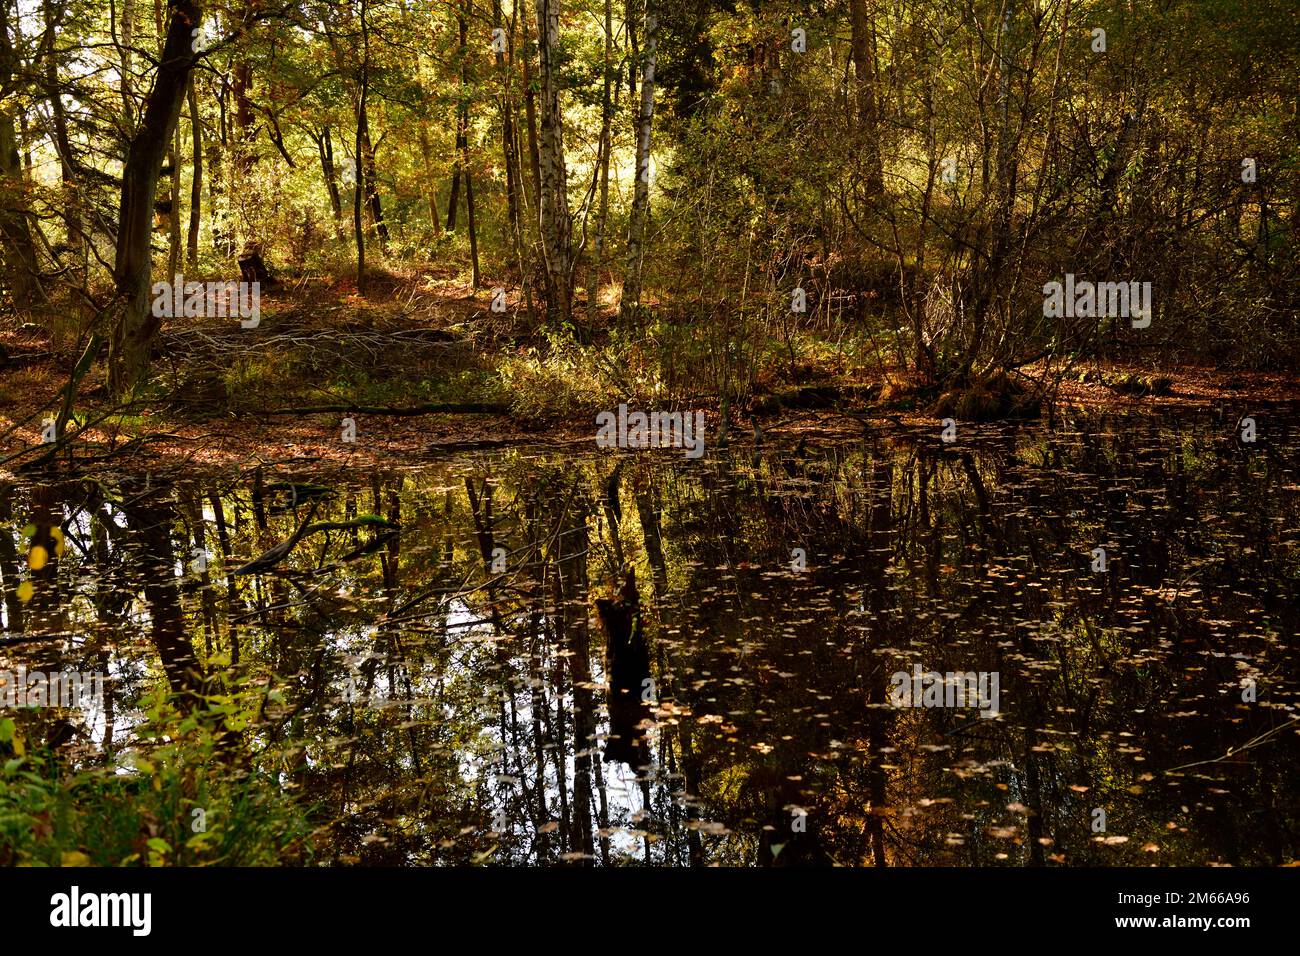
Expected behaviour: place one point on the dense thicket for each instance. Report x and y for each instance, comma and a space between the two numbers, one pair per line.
672, 178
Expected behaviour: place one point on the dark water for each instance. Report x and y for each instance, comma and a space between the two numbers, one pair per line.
443, 676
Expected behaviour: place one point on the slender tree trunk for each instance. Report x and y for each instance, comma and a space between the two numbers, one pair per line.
507, 123
67, 170
473, 226
371, 180
133, 333
362, 90
325, 146
172, 161
430, 185
602, 162
241, 89
126, 33
530, 113
631, 300
22, 266
458, 167
174, 217
196, 180
453, 197
553, 207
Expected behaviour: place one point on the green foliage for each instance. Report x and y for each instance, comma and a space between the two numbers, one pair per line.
184, 796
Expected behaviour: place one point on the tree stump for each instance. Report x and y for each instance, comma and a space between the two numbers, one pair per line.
252, 268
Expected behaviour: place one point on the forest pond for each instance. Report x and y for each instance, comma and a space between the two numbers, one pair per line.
549, 655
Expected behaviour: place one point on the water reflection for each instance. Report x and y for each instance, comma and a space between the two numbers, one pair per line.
530, 658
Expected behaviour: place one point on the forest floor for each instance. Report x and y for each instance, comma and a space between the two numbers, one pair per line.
417, 363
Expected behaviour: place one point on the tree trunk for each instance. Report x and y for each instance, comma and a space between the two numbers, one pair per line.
126, 32
453, 197
431, 188
864, 78
631, 300
196, 181
363, 89
553, 207
602, 162
530, 113
22, 266
67, 171
473, 226
325, 145
371, 179
462, 119
133, 333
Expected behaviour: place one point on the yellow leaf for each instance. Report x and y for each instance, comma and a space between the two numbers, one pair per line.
25, 590
75, 858
38, 558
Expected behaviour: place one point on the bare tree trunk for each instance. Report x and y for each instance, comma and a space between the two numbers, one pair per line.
22, 266
172, 161
363, 89
133, 333
325, 146
174, 215
530, 113
631, 300
453, 198
553, 207
67, 171
602, 162
243, 83
864, 78
473, 227
462, 118
371, 180
126, 31
505, 71
196, 181
431, 188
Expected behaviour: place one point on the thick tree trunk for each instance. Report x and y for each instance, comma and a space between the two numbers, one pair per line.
864, 78
631, 300
133, 333
553, 207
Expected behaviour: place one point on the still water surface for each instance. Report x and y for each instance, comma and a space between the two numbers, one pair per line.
538, 657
